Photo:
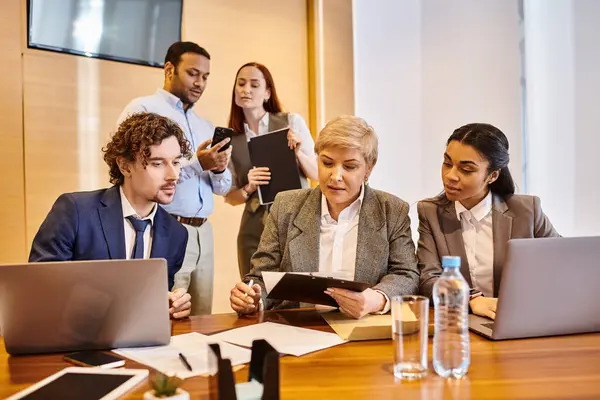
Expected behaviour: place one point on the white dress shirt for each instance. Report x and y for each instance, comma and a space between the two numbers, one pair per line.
478, 238
128, 210
338, 241
295, 122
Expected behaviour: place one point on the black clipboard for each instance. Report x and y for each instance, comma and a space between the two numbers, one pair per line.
311, 289
271, 150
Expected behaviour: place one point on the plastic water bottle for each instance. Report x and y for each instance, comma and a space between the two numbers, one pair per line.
451, 346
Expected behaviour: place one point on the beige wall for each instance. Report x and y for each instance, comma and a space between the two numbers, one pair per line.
71, 105
338, 83
12, 206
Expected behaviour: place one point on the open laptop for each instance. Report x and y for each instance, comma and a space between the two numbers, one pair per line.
84, 305
549, 287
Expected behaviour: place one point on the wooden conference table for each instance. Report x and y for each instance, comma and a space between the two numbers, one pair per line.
566, 367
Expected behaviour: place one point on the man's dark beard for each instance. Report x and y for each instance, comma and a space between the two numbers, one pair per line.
181, 94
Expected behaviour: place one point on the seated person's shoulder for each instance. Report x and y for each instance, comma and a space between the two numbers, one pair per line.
522, 204
291, 199
431, 204
390, 202
82, 200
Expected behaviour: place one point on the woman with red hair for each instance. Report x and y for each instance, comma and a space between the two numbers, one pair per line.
255, 110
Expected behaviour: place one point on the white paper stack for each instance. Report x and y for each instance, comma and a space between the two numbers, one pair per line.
194, 346
285, 339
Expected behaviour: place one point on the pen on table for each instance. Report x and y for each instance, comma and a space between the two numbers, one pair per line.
185, 362
249, 285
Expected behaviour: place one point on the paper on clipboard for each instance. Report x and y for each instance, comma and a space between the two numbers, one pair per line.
271, 279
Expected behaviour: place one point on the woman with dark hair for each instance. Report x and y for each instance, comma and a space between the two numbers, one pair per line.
255, 110
476, 215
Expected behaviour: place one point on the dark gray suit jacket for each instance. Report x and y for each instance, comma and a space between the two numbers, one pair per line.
385, 253
440, 234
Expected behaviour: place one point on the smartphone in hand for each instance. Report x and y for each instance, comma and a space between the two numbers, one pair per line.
220, 135
94, 359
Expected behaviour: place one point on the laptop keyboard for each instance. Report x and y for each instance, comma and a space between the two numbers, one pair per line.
489, 325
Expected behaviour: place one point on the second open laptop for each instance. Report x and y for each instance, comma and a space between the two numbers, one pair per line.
84, 305
549, 287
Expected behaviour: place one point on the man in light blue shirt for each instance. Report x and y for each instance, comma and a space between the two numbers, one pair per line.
187, 67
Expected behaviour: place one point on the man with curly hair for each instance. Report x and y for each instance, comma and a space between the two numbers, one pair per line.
186, 71
125, 221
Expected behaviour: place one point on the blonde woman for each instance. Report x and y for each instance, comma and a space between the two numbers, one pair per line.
343, 228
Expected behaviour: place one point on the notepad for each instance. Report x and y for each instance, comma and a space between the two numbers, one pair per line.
285, 339
369, 327
195, 348
271, 150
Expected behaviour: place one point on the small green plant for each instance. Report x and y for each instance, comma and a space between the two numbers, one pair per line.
164, 385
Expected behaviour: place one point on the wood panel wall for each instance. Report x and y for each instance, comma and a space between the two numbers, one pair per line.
12, 199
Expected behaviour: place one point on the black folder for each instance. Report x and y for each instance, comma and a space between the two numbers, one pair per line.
271, 150
311, 289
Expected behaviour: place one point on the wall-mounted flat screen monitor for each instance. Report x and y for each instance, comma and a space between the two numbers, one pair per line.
132, 31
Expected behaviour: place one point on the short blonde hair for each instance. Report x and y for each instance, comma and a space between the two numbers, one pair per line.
350, 132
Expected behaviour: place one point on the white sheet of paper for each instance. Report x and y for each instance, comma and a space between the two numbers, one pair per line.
194, 346
271, 279
285, 339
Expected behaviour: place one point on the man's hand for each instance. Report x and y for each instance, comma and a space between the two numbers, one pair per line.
484, 306
180, 303
211, 159
244, 299
356, 304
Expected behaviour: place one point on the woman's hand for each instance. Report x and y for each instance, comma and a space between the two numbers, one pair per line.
245, 299
256, 177
357, 304
294, 140
484, 306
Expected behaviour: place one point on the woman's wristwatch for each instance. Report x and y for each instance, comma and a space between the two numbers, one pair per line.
474, 293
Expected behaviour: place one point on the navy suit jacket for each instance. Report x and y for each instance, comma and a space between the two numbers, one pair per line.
89, 226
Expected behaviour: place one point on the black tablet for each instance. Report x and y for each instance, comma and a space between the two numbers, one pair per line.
84, 384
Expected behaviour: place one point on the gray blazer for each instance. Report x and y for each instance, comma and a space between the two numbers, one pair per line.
385, 254
440, 234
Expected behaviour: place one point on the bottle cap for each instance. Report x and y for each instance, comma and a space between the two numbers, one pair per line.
451, 262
